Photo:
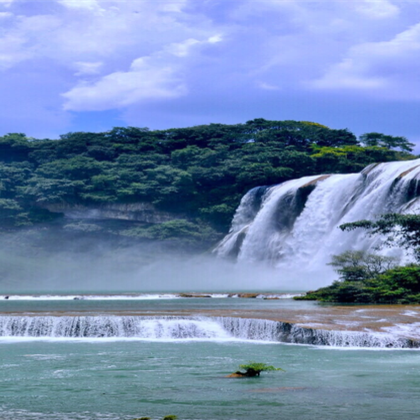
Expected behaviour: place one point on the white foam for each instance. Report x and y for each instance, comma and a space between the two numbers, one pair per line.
414, 314
296, 224
90, 297
191, 329
411, 330
132, 297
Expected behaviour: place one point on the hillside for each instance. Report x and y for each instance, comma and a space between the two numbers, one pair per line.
168, 184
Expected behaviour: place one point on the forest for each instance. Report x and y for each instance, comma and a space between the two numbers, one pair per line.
198, 173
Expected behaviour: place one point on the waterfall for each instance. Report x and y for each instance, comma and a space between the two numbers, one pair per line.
296, 223
245, 214
172, 328
153, 328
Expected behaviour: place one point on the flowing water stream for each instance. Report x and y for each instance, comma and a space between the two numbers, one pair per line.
120, 359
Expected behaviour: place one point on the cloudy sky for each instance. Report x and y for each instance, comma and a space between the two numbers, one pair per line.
89, 65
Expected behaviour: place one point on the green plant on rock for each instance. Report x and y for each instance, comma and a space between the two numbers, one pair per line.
254, 369
170, 417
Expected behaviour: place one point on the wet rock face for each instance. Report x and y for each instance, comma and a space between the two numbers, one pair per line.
138, 212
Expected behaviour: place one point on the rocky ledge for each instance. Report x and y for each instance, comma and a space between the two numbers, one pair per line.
138, 212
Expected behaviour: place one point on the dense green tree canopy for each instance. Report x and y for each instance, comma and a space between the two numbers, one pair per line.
201, 172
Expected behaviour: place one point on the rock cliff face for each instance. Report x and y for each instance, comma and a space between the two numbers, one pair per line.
136, 212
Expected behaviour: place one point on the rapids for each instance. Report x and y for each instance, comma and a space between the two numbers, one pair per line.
174, 328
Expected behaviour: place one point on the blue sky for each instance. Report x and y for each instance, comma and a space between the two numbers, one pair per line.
89, 65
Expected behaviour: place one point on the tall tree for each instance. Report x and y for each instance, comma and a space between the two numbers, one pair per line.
390, 142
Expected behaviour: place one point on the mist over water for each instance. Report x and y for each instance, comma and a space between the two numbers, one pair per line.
281, 239
139, 268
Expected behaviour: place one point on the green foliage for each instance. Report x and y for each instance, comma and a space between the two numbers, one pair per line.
199, 172
352, 158
356, 266
14, 147
11, 213
188, 232
170, 417
370, 278
258, 367
399, 285
390, 142
400, 229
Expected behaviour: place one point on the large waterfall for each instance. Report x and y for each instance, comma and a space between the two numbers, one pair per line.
295, 224
170, 328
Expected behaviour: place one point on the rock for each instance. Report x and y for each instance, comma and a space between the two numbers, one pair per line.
248, 295
193, 295
403, 174
236, 375
139, 212
271, 298
6, 297
315, 181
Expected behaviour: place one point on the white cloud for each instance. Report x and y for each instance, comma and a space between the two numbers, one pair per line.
87, 68
154, 77
80, 4
142, 82
6, 3
383, 67
270, 49
215, 39
12, 51
104, 29
377, 9
267, 86
182, 49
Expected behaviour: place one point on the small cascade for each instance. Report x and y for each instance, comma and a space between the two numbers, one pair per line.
191, 328
284, 332
164, 328
296, 224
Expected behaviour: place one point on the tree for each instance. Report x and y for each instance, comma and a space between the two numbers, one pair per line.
253, 369
398, 285
359, 266
383, 140
199, 173
401, 229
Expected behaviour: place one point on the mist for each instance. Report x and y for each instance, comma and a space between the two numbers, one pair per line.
38, 262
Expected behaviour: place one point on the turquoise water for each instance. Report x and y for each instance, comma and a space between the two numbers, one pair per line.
152, 305
125, 378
